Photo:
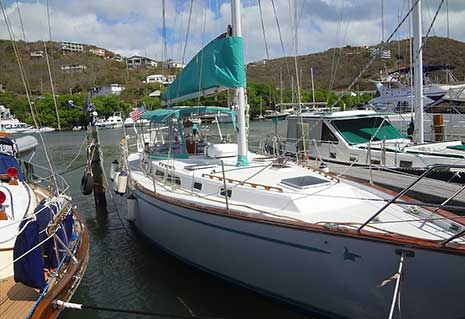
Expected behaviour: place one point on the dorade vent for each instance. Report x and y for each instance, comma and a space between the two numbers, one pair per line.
228, 191
198, 186
304, 182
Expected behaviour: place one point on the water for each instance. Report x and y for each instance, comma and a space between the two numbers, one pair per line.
127, 272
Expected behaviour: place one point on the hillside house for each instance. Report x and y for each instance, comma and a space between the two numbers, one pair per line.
155, 78
99, 52
73, 67
164, 80
112, 89
137, 61
71, 47
37, 54
175, 65
117, 57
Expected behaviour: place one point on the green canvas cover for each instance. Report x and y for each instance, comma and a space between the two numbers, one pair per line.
459, 147
363, 130
218, 66
162, 115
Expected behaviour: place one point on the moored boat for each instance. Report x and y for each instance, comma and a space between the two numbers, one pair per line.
300, 236
43, 240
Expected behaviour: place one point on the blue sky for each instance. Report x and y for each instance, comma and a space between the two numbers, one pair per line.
134, 26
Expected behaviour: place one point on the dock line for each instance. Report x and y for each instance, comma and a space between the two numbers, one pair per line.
75, 306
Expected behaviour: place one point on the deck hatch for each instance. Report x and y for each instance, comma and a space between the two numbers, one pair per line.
304, 182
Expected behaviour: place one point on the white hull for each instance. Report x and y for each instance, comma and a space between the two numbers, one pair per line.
309, 269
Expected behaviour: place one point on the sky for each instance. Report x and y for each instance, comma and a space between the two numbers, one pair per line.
131, 27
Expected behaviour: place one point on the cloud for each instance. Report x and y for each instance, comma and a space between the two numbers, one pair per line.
135, 26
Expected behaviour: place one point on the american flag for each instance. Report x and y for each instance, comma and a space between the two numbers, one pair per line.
136, 113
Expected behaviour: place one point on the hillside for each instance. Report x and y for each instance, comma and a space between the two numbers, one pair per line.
352, 59
100, 71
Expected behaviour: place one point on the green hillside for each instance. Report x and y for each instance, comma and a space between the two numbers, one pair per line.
349, 61
339, 66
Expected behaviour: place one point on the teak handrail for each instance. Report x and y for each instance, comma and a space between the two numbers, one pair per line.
235, 181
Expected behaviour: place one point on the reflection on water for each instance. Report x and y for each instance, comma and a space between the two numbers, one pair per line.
127, 272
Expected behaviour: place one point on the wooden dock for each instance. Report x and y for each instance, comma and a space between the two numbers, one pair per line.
427, 190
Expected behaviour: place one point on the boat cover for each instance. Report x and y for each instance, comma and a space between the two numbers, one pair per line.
459, 147
218, 66
29, 269
364, 130
162, 115
44, 215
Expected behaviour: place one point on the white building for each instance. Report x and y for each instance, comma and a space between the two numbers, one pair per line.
117, 57
137, 61
175, 65
383, 54
114, 89
73, 67
164, 80
99, 52
155, 78
71, 47
37, 54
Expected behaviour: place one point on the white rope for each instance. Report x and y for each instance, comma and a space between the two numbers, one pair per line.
17, 234
396, 288
27, 252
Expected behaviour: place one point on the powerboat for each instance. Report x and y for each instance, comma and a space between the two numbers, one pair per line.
365, 138
9, 124
114, 121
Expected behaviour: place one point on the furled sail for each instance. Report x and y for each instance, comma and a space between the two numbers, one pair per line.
217, 67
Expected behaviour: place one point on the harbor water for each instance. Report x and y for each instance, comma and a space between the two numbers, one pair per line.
127, 272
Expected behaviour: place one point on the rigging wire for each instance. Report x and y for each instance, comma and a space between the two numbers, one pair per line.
429, 29
185, 42
370, 62
28, 94
52, 86
281, 38
263, 29
164, 45
21, 20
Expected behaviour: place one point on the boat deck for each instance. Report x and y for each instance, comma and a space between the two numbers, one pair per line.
428, 190
16, 299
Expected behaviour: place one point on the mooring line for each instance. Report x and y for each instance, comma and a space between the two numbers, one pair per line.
75, 306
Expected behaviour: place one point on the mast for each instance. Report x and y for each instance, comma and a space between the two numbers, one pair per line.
242, 148
418, 71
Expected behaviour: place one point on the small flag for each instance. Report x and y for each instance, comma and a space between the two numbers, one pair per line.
136, 113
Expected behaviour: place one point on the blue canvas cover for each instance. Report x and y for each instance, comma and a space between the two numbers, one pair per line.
44, 217
29, 270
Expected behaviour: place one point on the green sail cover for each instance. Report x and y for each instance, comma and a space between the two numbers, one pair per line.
218, 66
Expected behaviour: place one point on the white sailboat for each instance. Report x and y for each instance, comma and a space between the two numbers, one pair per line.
298, 235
